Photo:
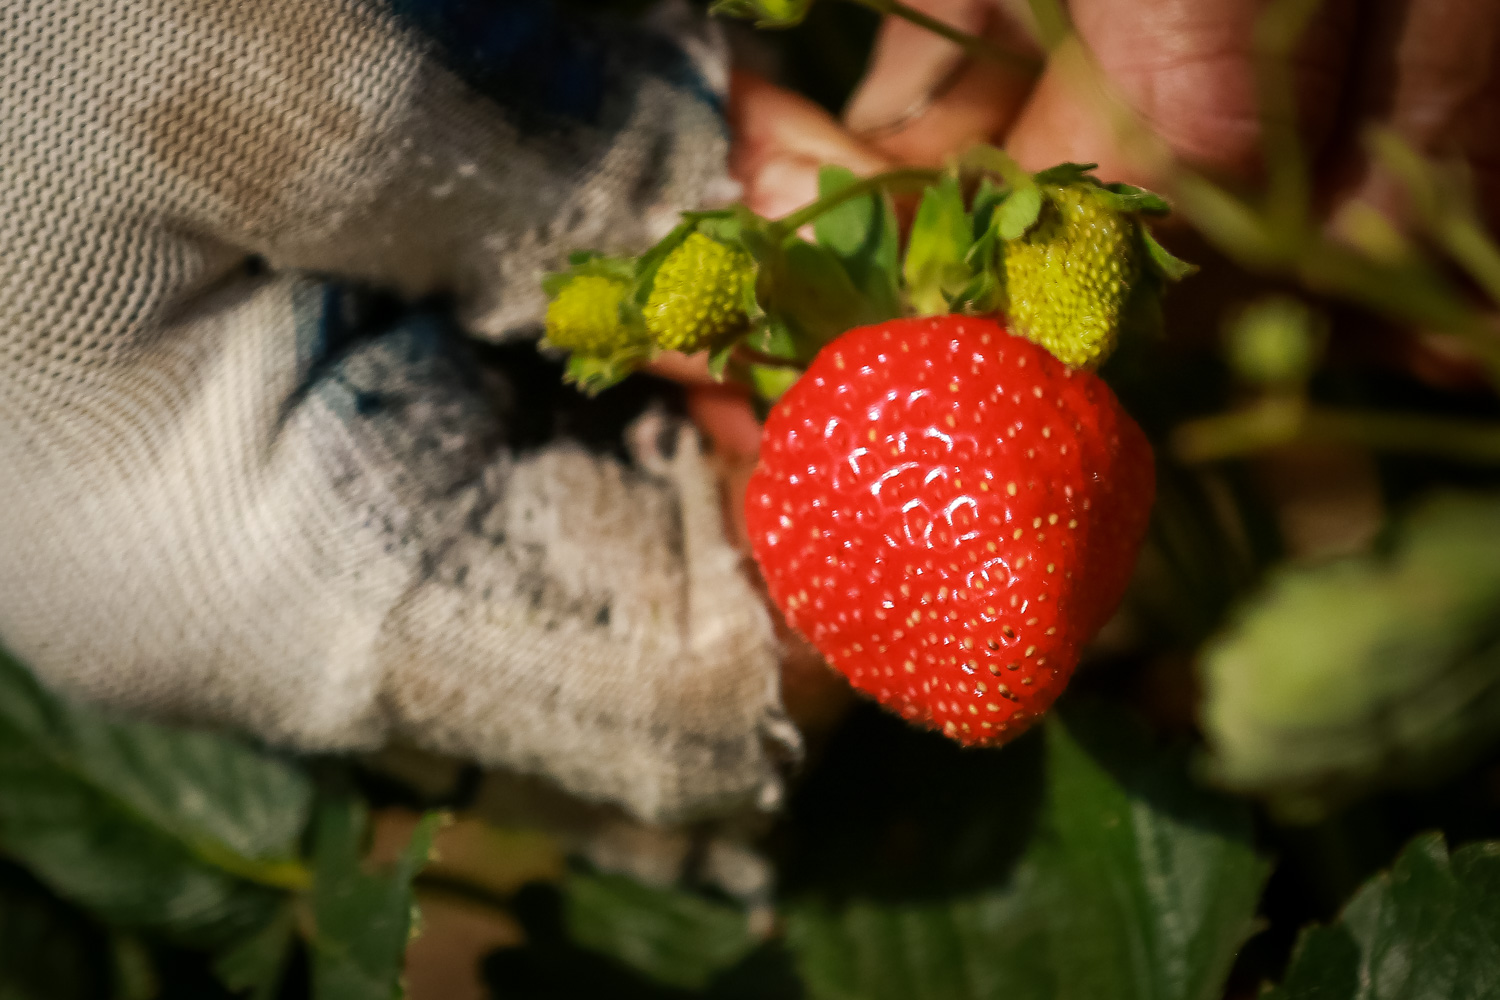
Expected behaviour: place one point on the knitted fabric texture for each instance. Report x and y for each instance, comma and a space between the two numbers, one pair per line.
219, 509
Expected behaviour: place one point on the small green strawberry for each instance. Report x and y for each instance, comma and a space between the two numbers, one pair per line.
698, 295
1069, 276
584, 317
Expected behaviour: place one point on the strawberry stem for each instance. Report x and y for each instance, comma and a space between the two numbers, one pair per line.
1277, 422
908, 177
750, 355
977, 47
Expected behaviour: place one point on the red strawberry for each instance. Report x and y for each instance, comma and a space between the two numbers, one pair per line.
949, 513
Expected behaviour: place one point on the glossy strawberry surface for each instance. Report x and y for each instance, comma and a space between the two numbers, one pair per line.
948, 513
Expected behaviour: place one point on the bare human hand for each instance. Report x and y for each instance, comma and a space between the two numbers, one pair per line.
1428, 69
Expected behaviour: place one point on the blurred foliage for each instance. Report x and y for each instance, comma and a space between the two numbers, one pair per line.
1377, 669
1430, 928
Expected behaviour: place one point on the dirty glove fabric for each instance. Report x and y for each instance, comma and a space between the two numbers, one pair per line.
218, 505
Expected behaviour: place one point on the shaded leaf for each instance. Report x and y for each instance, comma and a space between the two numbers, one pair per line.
186, 833
362, 919
1427, 930
812, 295
1407, 685
255, 964
936, 249
672, 935
1132, 884
862, 233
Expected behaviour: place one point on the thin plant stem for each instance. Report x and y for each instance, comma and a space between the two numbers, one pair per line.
910, 177
975, 46
1277, 423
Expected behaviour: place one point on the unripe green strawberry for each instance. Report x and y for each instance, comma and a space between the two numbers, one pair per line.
698, 296
584, 318
1067, 279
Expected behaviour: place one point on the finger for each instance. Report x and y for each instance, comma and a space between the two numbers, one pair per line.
780, 141
1187, 68
922, 99
1431, 73
724, 414
688, 369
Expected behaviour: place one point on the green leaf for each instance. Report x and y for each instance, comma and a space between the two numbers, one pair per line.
1161, 259
935, 252
181, 832
862, 233
671, 935
805, 294
1132, 883
1407, 685
254, 965
1427, 930
362, 919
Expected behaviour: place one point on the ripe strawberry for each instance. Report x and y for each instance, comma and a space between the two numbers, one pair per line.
1067, 279
698, 295
949, 513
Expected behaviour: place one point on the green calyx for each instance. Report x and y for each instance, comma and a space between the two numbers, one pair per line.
1068, 278
1066, 257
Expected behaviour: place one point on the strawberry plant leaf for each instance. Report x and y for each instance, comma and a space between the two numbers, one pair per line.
935, 252
1130, 883
674, 936
362, 919
254, 966
185, 833
810, 292
862, 233
1406, 687
1428, 928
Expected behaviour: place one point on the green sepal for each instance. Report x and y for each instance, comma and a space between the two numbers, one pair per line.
985, 290
1065, 174
1129, 198
718, 360
863, 234
593, 374
1161, 260
587, 264
940, 239
765, 13
648, 263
